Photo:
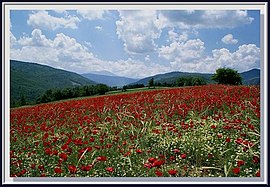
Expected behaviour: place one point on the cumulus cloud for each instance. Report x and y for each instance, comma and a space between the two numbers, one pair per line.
92, 14
228, 39
138, 30
246, 57
184, 51
174, 36
66, 53
42, 20
203, 18
37, 39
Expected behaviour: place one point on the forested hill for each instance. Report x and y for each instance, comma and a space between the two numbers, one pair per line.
30, 80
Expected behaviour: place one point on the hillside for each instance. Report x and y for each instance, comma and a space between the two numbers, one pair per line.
173, 76
31, 80
109, 80
251, 77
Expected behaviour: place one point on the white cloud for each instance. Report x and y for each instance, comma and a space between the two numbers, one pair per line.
92, 14
176, 37
37, 39
228, 39
203, 18
99, 28
246, 57
184, 51
138, 30
189, 56
61, 11
66, 53
42, 20
13, 39
172, 35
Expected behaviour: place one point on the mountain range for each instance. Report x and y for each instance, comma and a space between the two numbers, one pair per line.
31, 79
110, 80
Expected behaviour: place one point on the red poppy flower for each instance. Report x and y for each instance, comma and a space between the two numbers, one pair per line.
172, 158
109, 169
55, 152
176, 151
92, 139
256, 159
159, 173
23, 172
87, 168
64, 147
172, 172
239, 140
213, 126
127, 154
258, 174
41, 167
158, 163
102, 158
236, 170
240, 163
58, 170
48, 151
219, 135
72, 169
183, 156
147, 165
63, 156
152, 160
139, 151
228, 140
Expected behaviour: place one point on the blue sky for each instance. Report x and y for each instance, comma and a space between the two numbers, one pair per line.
137, 43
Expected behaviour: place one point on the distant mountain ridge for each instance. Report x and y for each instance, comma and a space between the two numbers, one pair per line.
251, 77
109, 80
32, 79
173, 76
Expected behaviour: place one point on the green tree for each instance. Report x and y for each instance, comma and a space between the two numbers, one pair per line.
102, 89
151, 83
227, 76
124, 89
198, 81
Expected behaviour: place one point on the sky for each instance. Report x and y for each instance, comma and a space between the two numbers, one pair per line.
137, 43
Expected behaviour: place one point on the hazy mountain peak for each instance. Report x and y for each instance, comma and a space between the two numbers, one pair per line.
108, 73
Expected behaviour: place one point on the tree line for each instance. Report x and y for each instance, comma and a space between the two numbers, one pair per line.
68, 93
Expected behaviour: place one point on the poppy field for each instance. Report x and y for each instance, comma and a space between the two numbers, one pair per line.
200, 131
